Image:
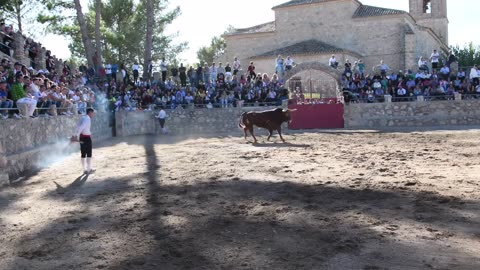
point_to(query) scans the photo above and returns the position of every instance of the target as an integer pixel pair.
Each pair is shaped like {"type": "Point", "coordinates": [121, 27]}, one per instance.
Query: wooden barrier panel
{"type": "Point", "coordinates": [316, 116]}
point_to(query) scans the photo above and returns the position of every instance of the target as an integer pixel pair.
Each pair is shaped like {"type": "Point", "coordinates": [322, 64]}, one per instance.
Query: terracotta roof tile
{"type": "Point", "coordinates": [370, 11]}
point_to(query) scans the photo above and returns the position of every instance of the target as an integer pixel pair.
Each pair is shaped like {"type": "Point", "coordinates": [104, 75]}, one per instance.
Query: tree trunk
{"type": "Point", "coordinates": [149, 38]}
{"type": "Point", "coordinates": [87, 43]}
{"type": "Point", "coordinates": [18, 12]}
{"type": "Point", "coordinates": [98, 40]}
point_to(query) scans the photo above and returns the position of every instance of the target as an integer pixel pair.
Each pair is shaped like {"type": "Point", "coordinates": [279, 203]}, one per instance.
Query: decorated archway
{"type": "Point", "coordinates": [314, 79]}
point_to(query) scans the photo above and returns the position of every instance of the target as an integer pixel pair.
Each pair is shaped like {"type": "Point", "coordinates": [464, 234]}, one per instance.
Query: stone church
{"type": "Point", "coordinates": [310, 31]}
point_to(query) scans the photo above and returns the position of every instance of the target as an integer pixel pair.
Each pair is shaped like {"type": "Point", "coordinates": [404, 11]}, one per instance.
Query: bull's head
{"type": "Point", "coordinates": [286, 115]}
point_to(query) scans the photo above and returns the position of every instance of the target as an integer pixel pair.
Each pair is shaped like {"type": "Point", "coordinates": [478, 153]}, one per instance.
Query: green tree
{"type": "Point", "coordinates": [18, 11]}
{"type": "Point", "coordinates": [123, 27]}
{"type": "Point", "coordinates": [207, 54]}
{"type": "Point", "coordinates": [468, 55]}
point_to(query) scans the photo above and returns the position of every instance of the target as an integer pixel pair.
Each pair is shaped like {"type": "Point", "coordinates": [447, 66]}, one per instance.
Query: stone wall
{"type": "Point", "coordinates": [28, 142]}
{"type": "Point", "coordinates": [182, 121]}
{"type": "Point", "coordinates": [412, 114]}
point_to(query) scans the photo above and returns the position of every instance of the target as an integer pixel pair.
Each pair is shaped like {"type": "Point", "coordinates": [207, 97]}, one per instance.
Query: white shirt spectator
{"type": "Point", "coordinates": [108, 69]}
{"type": "Point", "coordinates": [435, 57]}
{"type": "Point", "coordinates": [401, 91]}
{"type": "Point", "coordinates": [162, 114]}
{"type": "Point", "coordinates": [474, 73]}
{"type": "Point", "coordinates": [332, 61]}
{"type": "Point", "coordinates": [163, 66]}
{"type": "Point", "coordinates": [236, 64]}
{"type": "Point", "coordinates": [289, 62]}
{"type": "Point", "coordinates": [135, 67]}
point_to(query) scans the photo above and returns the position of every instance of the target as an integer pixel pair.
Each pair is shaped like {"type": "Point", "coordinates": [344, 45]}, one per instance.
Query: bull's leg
{"type": "Point", "coordinates": [251, 132]}
{"type": "Point", "coordinates": [245, 132]}
{"type": "Point", "coordinates": [280, 133]}
{"type": "Point", "coordinates": [270, 132]}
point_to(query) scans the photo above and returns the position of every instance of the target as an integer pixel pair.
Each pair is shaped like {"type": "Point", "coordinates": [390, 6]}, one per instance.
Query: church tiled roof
{"type": "Point", "coordinates": [297, 2]}
{"type": "Point", "coordinates": [305, 47]}
{"type": "Point", "coordinates": [370, 11]}
{"type": "Point", "coordinates": [261, 28]}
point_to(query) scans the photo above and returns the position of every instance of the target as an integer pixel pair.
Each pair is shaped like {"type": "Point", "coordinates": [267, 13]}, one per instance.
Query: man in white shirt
{"type": "Point", "coordinates": [83, 135]}
{"type": "Point", "coordinates": [289, 63]}
{"type": "Point", "coordinates": [163, 69]}
{"type": "Point", "coordinates": [401, 93]}
{"type": "Point", "coordinates": [434, 59]}
{"type": "Point", "coordinates": [108, 71]}
{"type": "Point", "coordinates": [161, 117]}
{"type": "Point", "coordinates": [474, 75]}
{"type": "Point", "coordinates": [333, 62]}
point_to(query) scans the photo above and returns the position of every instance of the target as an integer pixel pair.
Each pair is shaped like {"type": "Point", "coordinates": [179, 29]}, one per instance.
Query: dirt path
{"type": "Point", "coordinates": [346, 200]}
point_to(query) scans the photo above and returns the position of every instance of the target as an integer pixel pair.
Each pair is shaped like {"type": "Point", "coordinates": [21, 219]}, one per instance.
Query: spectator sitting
{"type": "Point", "coordinates": [422, 64]}
{"type": "Point", "coordinates": [333, 62]}
{"type": "Point", "coordinates": [401, 93]}
{"type": "Point", "coordinates": [445, 72]}
{"type": "Point", "coordinates": [5, 103]}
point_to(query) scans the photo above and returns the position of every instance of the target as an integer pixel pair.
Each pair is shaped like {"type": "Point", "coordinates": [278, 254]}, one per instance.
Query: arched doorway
{"type": "Point", "coordinates": [315, 80]}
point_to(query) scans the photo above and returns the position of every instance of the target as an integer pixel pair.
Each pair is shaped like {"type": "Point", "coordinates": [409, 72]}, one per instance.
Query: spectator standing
{"type": "Point", "coordinates": [289, 63]}
{"type": "Point", "coordinates": [383, 68]}
{"type": "Point", "coordinates": [213, 73]}
{"type": "Point", "coordinates": [163, 69]}
{"type": "Point", "coordinates": [361, 66]}
{"type": "Point", "coordinates": [474, 75]}
{"type": "Point", "coordinates": [183, 75]}
{"type": "Point", "coordinates": [135, 69]}
{"type": "Point", "coordinates": [236, 65]}
{"type": "Point", "coordinates": [206, 73]}
{"type": "Point", "coordinates": [251, 70]}
{"type": "Point", "coordinates": [434, 59]}
{"type": "Point", "coordinates": [108, 71]}
{"type": "Point", "coordinates": [451, 58]}
{"type": "Point", "coordinates": [174, 71]}
{"type": "Point", "coordinates": [279, 66]}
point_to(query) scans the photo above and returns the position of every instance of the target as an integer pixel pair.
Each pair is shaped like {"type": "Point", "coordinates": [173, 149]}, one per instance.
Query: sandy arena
{"type": "Point", "coordinates": [327, 200]}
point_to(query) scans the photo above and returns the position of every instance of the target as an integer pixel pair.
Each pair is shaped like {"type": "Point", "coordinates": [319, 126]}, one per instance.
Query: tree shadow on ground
{"type": "Point", "coordinates": [250, 224]}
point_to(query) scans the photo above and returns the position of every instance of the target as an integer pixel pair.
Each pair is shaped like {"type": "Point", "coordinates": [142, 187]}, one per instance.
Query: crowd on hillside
{"type": "Point", "coordinates": [430, 80]}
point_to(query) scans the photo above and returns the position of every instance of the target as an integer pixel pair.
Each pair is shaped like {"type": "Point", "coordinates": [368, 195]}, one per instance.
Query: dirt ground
{"type": "Point", "coordinates": [324, 200]}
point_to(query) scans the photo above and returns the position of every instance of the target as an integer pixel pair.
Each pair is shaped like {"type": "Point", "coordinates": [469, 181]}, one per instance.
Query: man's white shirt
{"type": "Point", "coordinates": [83, 126]}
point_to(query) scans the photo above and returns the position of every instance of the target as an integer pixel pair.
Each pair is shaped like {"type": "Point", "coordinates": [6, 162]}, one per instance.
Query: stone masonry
{"type": "Point", "coordinates": [412, 114]}
{"type": "Point", "coordinates": [26, 142]}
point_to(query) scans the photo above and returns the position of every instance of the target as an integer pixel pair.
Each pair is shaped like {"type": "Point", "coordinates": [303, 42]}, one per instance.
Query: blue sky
{"type": "Point", "coordinates": [201, 20]}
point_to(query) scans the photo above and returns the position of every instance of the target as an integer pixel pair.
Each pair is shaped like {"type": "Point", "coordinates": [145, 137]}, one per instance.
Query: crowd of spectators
{"type": "Point", "coordinates": [206, 86]}
{"type": "Point", "coordinates": [431, 80]}
{"type": "Point", "coordinates": [37, 91]}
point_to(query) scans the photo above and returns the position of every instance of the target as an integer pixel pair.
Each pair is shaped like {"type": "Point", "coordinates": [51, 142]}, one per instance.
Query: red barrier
{"type": "Point", "coordinates": [316, 116]}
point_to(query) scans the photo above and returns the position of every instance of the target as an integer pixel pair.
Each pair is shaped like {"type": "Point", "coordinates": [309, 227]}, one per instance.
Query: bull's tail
{"type": "Point", "coordinates": [240, 123]}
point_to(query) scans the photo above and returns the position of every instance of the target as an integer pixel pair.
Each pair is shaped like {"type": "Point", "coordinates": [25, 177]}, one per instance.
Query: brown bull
{"type": "Point", "coordinates": [270, 120]}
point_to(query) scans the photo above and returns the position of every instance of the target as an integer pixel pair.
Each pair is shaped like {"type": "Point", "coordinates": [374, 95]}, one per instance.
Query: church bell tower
{"type": "Point", "coordinates": [431, 14]}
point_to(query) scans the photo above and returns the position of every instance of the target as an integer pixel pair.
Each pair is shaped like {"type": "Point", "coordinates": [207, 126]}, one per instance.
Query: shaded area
{"type": "Point", "coordinates": [254, 223]}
